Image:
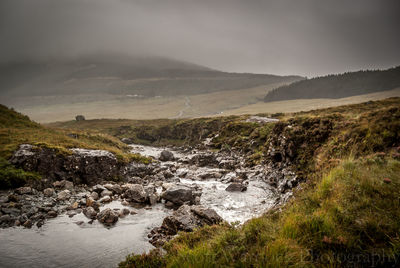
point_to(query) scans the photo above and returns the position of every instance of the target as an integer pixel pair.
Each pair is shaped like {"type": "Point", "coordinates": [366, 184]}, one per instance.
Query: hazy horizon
{"type": "Point", "coordinates": [308, 38]}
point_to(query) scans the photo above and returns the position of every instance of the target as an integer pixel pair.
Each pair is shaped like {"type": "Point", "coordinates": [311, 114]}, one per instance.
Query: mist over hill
{"type": "Point", "coordinates": [117, 74]}
{"type": "Point", "coordinates": [338, 86]}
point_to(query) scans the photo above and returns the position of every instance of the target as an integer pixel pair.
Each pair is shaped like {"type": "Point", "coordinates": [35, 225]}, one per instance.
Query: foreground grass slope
{"type": "Point", "coordinates": [345, 214]}
{"type": "Point", "coordinates": [16, 129]}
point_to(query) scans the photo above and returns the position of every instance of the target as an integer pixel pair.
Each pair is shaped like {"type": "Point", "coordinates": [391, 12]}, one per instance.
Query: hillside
{"type": "Point", "coordinates": [121, 75]}
{"type": "Point", "coordinates": [338, 86]}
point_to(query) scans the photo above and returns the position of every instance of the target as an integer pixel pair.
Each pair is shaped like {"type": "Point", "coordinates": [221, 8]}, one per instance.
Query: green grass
{"type": "Point", "coordinates": [14, 177]}
{"type": "Point", "coordinates": [349, 213]}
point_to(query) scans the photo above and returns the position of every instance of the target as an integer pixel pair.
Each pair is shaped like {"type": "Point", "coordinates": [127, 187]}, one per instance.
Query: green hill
{"type": "Point", "coordinates": [338, 86]}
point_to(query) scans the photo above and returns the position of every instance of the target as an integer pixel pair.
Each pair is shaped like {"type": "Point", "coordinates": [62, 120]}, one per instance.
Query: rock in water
{"type": "Point", "coordinates": [236, 187]}
{"type": "Point", "coordinates": [107, 216]}
{"type": "Point", "coordinates": [135, 193]}
{"type": "Point", "coordinates": [186, 219]}
{"type": "Point", "coordinates": [179, 195]}
{"type": "Point", "coordinates": [207, 215]}
{"type": "Point", "coordinates": [90, 213]}
{"type": "Point", "coordinates": [166, 156]}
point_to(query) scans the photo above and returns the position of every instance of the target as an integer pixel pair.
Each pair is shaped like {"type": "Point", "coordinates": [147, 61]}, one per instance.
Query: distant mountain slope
{"type": "Point", "coordinates": [115, 74]}
{"type": "Point", "coordinates": [338, 86]}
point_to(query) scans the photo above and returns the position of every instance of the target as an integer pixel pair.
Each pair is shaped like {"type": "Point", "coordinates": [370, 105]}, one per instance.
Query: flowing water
{"type": "Point", "coordinates": [61, 242]}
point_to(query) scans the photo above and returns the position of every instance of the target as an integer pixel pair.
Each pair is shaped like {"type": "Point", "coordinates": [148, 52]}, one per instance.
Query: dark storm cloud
{"type": "Point", "coordinates": [284, 37]}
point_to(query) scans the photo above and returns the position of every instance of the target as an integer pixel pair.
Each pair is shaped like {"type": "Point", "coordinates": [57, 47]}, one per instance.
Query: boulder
{"type": "Point", "coordinates": [105, 199]}
{"type": "Point", "coordinates": [206, 215]}
{"type": "Point", "coordinates": [94, 195]}
{"type": "Point", "coordinates": [115, 188]}
{"type": "Point", "coordinates": [79, 118]}
{"type": "Point", "coordinates": [90, 213]}
{"type": "Point", "coordinates": [166, 156]}
{"type": "Point", "coordinates": [186, 219]}
{"type": "Point", "coordinates": [63, 184]}
{"type": "Point", "coordinates": [107, 216]}
{"type": "Point", "coordinates": [106, 193]}
{"type": "Point", "coordinates": [24, 190]}
{"type": "Point", "coordinates": [236, 187]}
{"type": "Point", "coordinates": [81, 166]}
{"type": "Point", "coordinates": [135, 193]}
{"type": "Point", "coordinates": [179, 195]}
{"type": "Point", "coordinates": [64, 195]}
{"type": "Point", "coordinates": [48, 192]}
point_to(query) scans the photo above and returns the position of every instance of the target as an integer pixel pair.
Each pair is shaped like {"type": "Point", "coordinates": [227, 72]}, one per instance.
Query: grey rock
{"type": "Point", "coordinates": [179, 195]}
{"type": "Point", "coordinates": [106, 193]}
{"type": "Point", "coordinates": [48, 192]}
{"type": "Point", "coordinates": [24, 190]}
{"type": "Point", "coordinates": [107, 216]}
{"type": "Point", "coordinates": [105, 199]}
{"type": "Point", "coordinates": [90, 212]}
{"type": "Point", "coordinates": [166, 156]}
{"type": "Point", "coordinates": [64, 195]}
{"type": "Point", "coordinates": [135, 193]}
{"type": "Point", "coordinates": [236, 187]}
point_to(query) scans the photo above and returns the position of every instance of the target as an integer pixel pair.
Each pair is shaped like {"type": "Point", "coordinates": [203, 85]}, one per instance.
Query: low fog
{"type": "Point", "coordinates": [309, 37]}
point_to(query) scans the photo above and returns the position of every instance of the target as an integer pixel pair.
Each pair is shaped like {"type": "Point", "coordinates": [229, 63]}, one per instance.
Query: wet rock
{"type": "Point", "coordinates": [90, 212]}
{"type": "Point", "coordinates": [28, 224]}
{"type": "Point", "coordinates": [236, 187]}
{"type": "Point", "coordinates": [204, 159]}
{"type": "Point", "coordinates": [115, 188]}
{"type": "Point", "coordinates": [39, 223]}
{"type": "Point", "coordinates": [94, 195]}
{"type": "Point", "coordinates": [179, 195]}
{"type": "Point", "coordinates": [24, 190]}
{"type": "Point", "coordinates": [106, 193]}
{"type": "Point", "coordinates": [166, 156]}
{"type": "Point", "coordinates": [134, 193]}
{"type": "Point", "coordinates": [71, 213]}
{"type": "Point", "coordinates": [105, 199]}
{"type": "Point", "coordinates": [186, 218]}
{"type": "Point", "coordinates": [5, 219]}
{"type": "Point", "coordinates": [153, 199]}
{"type": "Point", "coordinates": [64, 195]}
{"type": "Point", "coordinates": [207, 215]}
{"type": "Point", "coordinates": [83, 166]}
{"type": "Point", "coordinates": [48, 192]}
{"type": "Point", "coordinates": [107, 216]}
{"type": "Point", "coordinates": [52, 214]}
{"type": "Point", "coordinates": [64, 184]}
{"type": "Point", "coordinates": [98, 188]}
{"type": "Point", "coordinates": [123, 212]}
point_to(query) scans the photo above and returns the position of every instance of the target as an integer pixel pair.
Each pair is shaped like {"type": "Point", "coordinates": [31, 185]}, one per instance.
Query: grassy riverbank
{"type": "Point", "coordinates": [345, 214]}
{"type": "Point", "coordinates": [16, 129]}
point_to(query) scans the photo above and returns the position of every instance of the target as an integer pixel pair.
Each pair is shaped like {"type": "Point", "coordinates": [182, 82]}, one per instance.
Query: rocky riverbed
{"type": "Point", "coordinates": [68, 223]}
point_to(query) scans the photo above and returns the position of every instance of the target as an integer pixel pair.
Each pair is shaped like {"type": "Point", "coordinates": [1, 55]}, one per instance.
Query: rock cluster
{"type": "Point", "coordinates": [186, 218]}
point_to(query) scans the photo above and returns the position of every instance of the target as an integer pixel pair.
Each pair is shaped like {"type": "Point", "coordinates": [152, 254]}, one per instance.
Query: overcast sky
{"type": "Point", "coordinates": [306, 37]}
